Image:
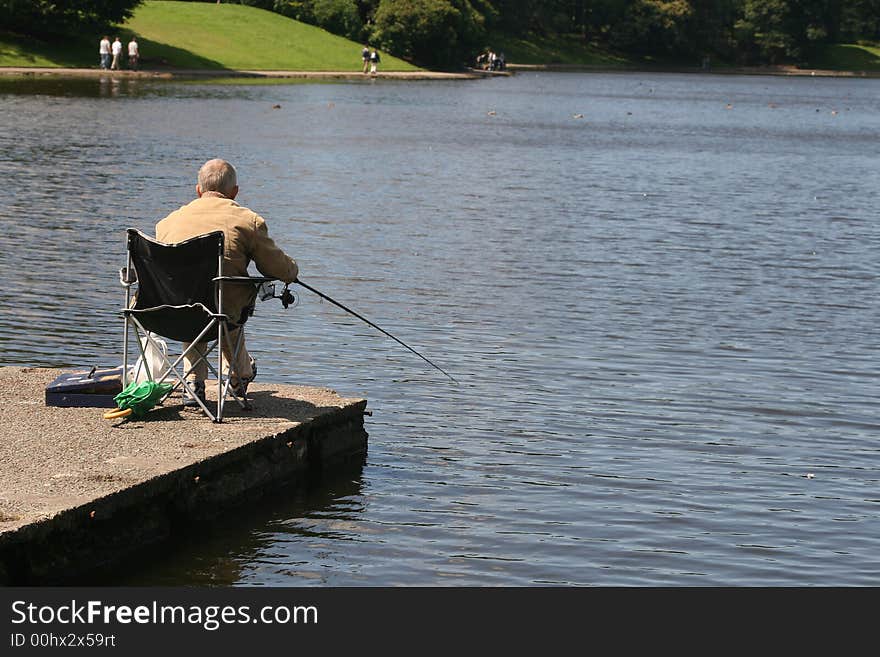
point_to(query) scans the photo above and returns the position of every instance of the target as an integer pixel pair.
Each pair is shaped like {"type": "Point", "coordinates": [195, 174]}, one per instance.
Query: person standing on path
{"type": "Point", "coordinates": [104, 51]}
{"type": "Point", "coordinates": [374, 61]}
{"type": "Point", "coordinates": [133, 54]}
{"type": "Point", "coordinates": [365, 56]}
{"type": "Point", "coordinates": [117, 52]}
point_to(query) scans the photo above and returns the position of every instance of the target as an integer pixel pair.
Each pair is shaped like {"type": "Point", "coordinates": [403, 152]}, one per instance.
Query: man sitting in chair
{"type": "Point", "coordinates": [246, 239]}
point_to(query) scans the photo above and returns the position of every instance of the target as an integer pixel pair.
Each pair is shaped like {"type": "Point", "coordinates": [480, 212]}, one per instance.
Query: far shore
{"type": "Point", "coordinates": [468, 74]}
{"type": "Point", "coordinates": [720, 70]}
{"type": "Point", "coordinates": [166, 73]}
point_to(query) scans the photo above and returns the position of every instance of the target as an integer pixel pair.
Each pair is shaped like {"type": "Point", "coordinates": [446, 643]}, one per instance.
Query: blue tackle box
{"type": "Point", "coordinates": [94, 388]}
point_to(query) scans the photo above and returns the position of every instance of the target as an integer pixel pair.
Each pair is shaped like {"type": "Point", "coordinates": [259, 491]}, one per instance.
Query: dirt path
{"type": "Point", "coordinates": [197, 73]}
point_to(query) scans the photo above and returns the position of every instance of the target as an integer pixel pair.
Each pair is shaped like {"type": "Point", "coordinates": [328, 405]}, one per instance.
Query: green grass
{"type": "Point", "coordinates": [848, 57]}
{"type": "Point", "coordinates": [200, 35]}
{"type": "Point", "coordinates": [16, 51]}
{"type": "Point", "coordinates": [206, 35]}
{"type": "Point", "coordinates": [566, 50]}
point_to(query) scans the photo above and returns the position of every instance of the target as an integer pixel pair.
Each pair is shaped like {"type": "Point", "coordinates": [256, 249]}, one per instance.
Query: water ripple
{"type": "Point", "coordinates": [663, 317]}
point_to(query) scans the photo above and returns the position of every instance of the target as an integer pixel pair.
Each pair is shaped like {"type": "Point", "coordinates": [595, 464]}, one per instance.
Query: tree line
{"type": "Point", "coordinates": [50, 18]}
{"type": "Point", "coordinates": [448, 33]}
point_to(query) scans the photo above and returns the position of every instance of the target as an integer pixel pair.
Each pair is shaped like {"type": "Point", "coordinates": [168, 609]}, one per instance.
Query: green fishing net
{"type": "Point", "coordinates": [141, 397]}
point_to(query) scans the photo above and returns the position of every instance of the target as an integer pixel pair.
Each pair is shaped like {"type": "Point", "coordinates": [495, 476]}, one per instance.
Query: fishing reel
{"type": "Point", "coordinates": [288, 299]}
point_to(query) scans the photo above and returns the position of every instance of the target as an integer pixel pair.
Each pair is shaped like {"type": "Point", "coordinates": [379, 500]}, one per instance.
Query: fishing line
{"type": "Point", "coordinates": [364, 319]}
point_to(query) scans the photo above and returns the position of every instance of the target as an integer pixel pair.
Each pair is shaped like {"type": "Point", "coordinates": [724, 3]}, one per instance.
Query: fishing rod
{"type": "Point", "coordinates": [287, 298]}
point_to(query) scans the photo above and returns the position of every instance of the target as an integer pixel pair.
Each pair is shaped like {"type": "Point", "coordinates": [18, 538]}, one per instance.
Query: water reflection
{"type": "Point", "coordinates": [115, 86]}
{"type": "Point", "coordinates": [303, 521]}
{"type": "Point", "coordinates": [70, 87]}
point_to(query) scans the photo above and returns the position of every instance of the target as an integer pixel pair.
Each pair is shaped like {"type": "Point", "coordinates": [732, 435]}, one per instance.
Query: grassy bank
{"type": "Point", "coordinates": [28, 52]}
{"type": "Point", "coordinates": [566, 50]}
{"type": "Point", "coordinates": [203, 35]}
{"type": "Point", "coordinates": [196, 35]}
{"type": "Point", "coordinates": [848, 57]}
{"type": "Point", "coordinates": [571, 51]}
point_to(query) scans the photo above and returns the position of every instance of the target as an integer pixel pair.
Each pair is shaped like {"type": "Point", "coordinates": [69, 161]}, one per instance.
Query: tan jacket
{"type": "Point", "coordinates": [246, 239]}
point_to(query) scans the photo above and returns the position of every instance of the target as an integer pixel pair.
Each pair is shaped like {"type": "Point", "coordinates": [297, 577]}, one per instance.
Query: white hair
{"type": "Point", "coordinates": [218, 176]}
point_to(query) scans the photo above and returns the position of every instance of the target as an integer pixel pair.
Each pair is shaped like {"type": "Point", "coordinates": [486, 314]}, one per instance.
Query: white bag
{"type": "Point", "coordinates": [156, 350]}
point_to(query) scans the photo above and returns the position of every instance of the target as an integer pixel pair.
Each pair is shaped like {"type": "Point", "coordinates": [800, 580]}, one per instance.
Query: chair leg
{"type": "Point", "coordinates": [125, 321]}
{"type": "Point", "coordinates": [244, 401]}
{"type": "Point", "coordinates": [171, 369]}
{"type": "Point", "coordinates": [234, 352]}
{"type": "Point", "coordinates": [188, 389]}
{"type": "Point", "coordinates": [125, 352]}
{"type": "Point", "coordinates": [220, 329]}
{"type": "Point", "coordinates": [142, 362]}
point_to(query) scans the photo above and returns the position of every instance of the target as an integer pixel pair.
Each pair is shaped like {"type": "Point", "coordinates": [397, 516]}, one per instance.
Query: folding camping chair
{"type": "Point", "coordinates": [179, 296]}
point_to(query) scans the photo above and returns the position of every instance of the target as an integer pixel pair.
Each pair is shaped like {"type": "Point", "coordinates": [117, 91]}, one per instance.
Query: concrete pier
{"type": "Point", "coordinates": [79, 493]}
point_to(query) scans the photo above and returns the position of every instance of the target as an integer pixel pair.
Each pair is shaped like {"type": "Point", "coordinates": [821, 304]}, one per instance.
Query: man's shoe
{"type": "Point", "coordinates": [241, 389]}
{"type": "Point", "coordinates": [189, 401]}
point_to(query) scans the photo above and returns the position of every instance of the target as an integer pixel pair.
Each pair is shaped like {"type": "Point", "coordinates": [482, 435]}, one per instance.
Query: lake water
{"type": "Point", "coordinates": [662, 313]}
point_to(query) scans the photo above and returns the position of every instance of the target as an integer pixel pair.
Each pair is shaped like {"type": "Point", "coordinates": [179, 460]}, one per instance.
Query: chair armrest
{"type": "Point", "coordinates": [127, 277]}
{"type": "Point", "coordinates": [252, 280]}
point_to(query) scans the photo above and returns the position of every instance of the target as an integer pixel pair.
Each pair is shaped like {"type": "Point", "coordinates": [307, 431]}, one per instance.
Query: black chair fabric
{"type": "Point", "coordinates": [176, 289]}
{"type": "Point", "coordinates": [176, 274]}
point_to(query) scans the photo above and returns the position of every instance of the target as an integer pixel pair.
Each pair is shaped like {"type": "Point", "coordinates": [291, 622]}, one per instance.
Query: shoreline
{"type": "Point", "coordinates": [779, 70]}
{"type": "Point", "coordinates": [169, 74]}
{"type": "Point", "coordinates": [467, 74]}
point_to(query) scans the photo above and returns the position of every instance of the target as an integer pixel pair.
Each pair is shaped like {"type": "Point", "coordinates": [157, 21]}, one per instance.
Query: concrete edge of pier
{"type": "Point", "coordinates": [79, 494]}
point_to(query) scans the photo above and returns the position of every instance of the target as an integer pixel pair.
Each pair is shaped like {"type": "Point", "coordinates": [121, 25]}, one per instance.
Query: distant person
{"type": "Point", "coordinates": [134, 54]}
{"type": "Point", "coordinates": [117, 52]}
{"type": "Point", "coordinates": [365, 56]}
{"type": "Point", "coordinates": [104, 51]}
{"type": "Point", "coordinates": [374, 60]}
